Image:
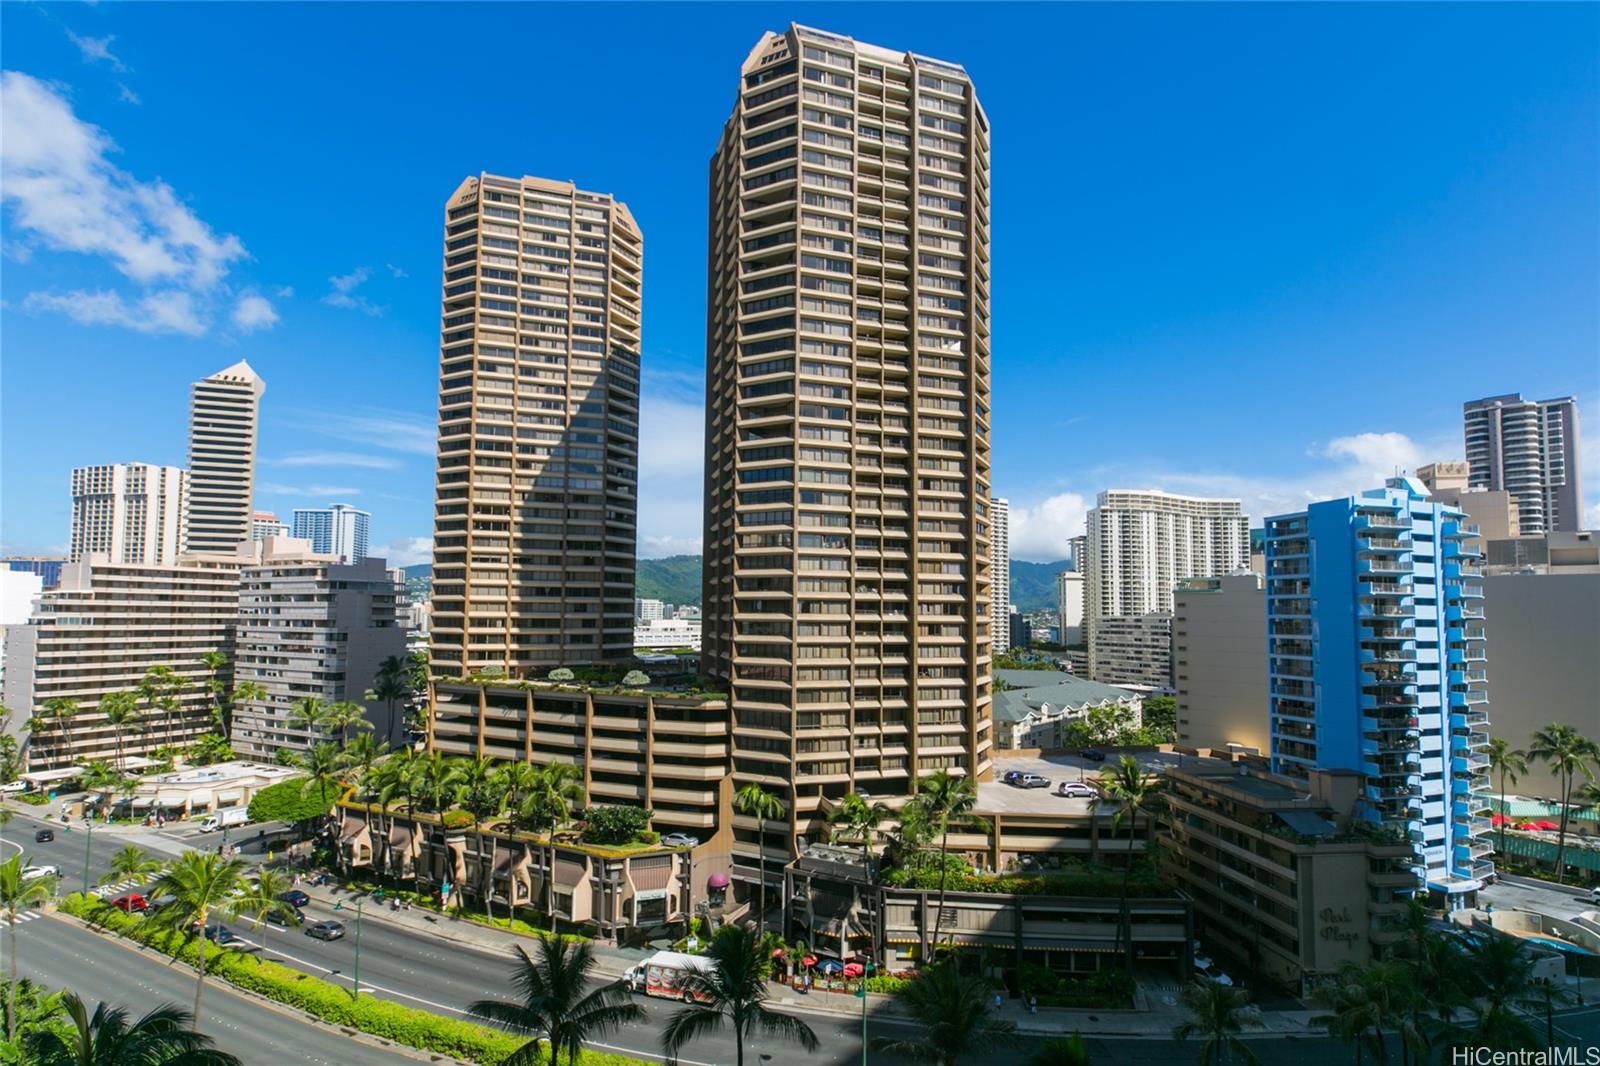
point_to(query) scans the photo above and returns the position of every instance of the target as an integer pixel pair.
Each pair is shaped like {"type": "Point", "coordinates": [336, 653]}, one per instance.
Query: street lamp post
{"type": "Point", "coordinates": [862, 992]}
{"type": "Point", "coordinates": [355, 974]}
{"type": "Point", "coordinates": [88, 837]}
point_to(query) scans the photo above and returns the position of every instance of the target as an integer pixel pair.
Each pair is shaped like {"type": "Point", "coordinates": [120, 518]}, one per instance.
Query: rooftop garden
{"type": "Point", "coordinates": [593, 679]}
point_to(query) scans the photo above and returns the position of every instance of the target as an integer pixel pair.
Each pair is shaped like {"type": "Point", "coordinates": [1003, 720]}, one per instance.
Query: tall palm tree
{"type": "Point", "coordinates": [121, 712]}
{"type": "Point", "coordinates": [438, 774]}
{"type": "Point", "coordinates": [951, 1012]}
{"type": "Point", "coordinates": [266, 903]}
{"type": "Point", "coordinates": [390, 685]}
{"type": "Point", "coordinates": [753, 801]}
{"type": "Point", "coordinates": [323, 764]}
{"type": "Point", "coordinates": [554, 1002]}
{"type": "Point", "coordinates": [341, 717]}
{"type": "Point", "coordinates": [555, 792]}
{"type": "Point", "coordinates": [59, 711]}
{"type": "Point", "coordinates": [1124, 783]}
{"type": "Point", "coordinates": [131, 863]}
{"type": "Point", "coordinates": [947, 800]}
{"type": "Point", "coordinates": [17, 894]}
{"type": "Point", "coordinates": [909, 837]}
{"type": "Point", "coordinates": [362, 754]}
{"type": "Point", "coordinates": [1500, 975]}
{"type": "Point", "coordinates": [1214, 1018]}
{"type": "Point", "coordinates": [245, 692]}
{"type": "Point", "coordinates": [159, 689]}
{"type": "Point", "coordinates": [1568, 753]}
{"type": "Point", "coordinates": [216, 664]}
{"type": "Point", "coordinates": [516, 778]}
{"type": "Point", "coordinates": [861, 819]}
{"type": "Point", "coordinates": [1509, 763]}
{"type": "Point", "coordinates": [479, 793]}
{"type": "Point", "coordinates": [733, 991]}
{"type": "Point", "coordinates": [164, 1036]}
{"type": "Point", "coordinates": [397, 776]}
{"type": "Point", "coordinates": [203, 887]}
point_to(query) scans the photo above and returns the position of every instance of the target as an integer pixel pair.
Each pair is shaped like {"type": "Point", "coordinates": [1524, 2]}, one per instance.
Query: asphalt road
{"type": "Point", "coordinates": [63, 954]}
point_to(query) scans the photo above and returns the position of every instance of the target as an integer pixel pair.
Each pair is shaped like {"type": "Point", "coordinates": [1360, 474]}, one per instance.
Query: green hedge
{"type": "Point", "coordinates": [295, 800]}
{"type": "Point", "coordinates": [321, 999]}
{"type": "Point", "coordinates": [32, 799]}
{"type": "Point", "coordinates": [888, 985]}
{"type": "Point", "coordinates": [1081, 882]}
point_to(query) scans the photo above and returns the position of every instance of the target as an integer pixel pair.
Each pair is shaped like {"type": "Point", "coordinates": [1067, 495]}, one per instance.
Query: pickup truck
{"type": "Point", "coordinates": [662, 975]}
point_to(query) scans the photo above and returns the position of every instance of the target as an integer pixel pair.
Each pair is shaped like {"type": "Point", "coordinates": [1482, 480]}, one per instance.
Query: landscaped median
{"type": "Point", "coordinates": [322, 999]}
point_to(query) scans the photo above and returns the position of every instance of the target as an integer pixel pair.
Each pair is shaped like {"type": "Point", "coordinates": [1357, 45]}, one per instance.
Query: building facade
{"type": "Point", "coordinates": [847, 581]}
{"type": "Point", "coordinates": [48, 567]}
{"type": "Point", "coordinates": [1137, 547]}
{"type": "Point", "coordinates": [1069, 605]}
{"type": "Point", "coordinates": [1219, 662]}
{"type": "Point", "coordinates": [1289, 881]}
{"type": "Point", "coordinates": [1000, 571]}
{"type": "Point", "coordinates": [536, 514]}
{"type": "Point", "coordinates": [264, 524]}
{"type": "Point", "coordinates": [99, 632]}
{"type": "Point", "coordinates": [1039, 706]}
{"type": "Point", "coordinates": [224, 416]}
{"type": "Point", "coordinates": [310, 626]}
{"type": "Point", "coordinates": [128, 512]}
{"type": "Point", "coordinates": [1376, 663]}
{"type": "Point", "coordinates": [340, 531]}
{"type": "Point", "coordinates": [1531, 449]}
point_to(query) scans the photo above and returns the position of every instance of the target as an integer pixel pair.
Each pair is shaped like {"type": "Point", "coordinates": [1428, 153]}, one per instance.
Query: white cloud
{"type": "Point", "coordinates": [405, 551]}
{"type": "Point", "coordinates": [370, 462]}
{"type": "Point", "coordinates": [344, 292]}
{"type": "Point", "coordinates": [328, 491]}
{"type": "Point", "coordinates": [1376, 456]}
{"type": "Point", "coordinates": [396, 271]}
{"type": "Point", "coordinates": [284, 292]}
{"type": "Point", "coordinates": [66, 194]}
{"type": "Point", "coordinates": [127, 95]}
{"type": "Point", "coordinates": [396, 431]}
{"type": "Point", "coordinates": [165, 311]}
{"type": "Point", "coordinates": [252, 312]}
{"type": "Point", "coordinates": [671, 472]}
{"type": "Point", "coordinates": [1041, 531]}
{"type": "Point", "coordinates": [97, 50]}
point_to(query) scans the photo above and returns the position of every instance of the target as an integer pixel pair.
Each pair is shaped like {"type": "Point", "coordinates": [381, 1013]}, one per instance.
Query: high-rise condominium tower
{"type": "Point", "coordinates": [1530, 448]}
{"type": "Point", "coordinates": [339, 530]}
{"type": "Point", "coordinates": [1138, 546]}
{"type": "Point", "coordinates": [224, 414]}
{"type": "Point", "coordinates": [128, 512]}
{"type": "Point", "coordinates": [1000, 573]}
{"type": "Point", "coordinates": [538, 428]}
{"type": "Point", "coordinates": [847, 571]}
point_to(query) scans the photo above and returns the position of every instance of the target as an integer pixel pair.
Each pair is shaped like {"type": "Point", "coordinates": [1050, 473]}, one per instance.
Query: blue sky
{"type": "Point", "coordinates": [1249, 250]}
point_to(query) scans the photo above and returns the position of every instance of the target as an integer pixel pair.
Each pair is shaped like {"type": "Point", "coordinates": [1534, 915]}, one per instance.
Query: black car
{"type": "Point", "coordinates": [1011, 776]}
{"type": "Point", "coordinates": [295, 898]}
{"type": "Point", "coordinates": [44, 836]}
{"type": "Point", "coordinates": [1093, 754]}
{"type": "Point", "coordinates": [218, 933]}
{"type": "Point", "coordinates": [329, 930]}
{"type": "Point", "coordinates": [284, 921]}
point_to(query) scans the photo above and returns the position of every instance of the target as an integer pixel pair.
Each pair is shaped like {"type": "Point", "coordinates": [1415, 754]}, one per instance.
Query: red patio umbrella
{"type": "Point", "coordinates": [809, 960]}
{"type": "Point", "coordinates": [1549, 826]}
{"type": "Point", "coordinates": [1499, 819]}
{"type": "Point", "coordinates": [853, 969]}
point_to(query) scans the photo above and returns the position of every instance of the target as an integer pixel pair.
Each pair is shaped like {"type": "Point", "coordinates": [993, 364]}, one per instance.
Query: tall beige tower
{"type": "Point", "coordinates": [535, 526]}
{"type": "Point", "coordinates": [224, 416]}
{"type": "Point", "coordinates": [847, 565]}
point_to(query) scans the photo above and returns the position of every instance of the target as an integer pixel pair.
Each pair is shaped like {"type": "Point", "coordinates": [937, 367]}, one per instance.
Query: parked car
{"type": "Point", "coordinates": [680, 840]}
{"type": "Point", "coordinates": [1093, 754]}
{"type": "Point", "coordinates": [1011, 776]}
{"type": "Point", "coordinates": [132, 903]}
{"type": "Point", "coordinates": [1594, 894]}
{"type": "Point", "coordinates": [1033, 781]}
{"type": "Point", "coordinates": [218, 933]}
{"type": "Point", "coordinates": [1207, 970]}
{"type": "Point", "coordinates": [11, 788]}
{"type": "Point", "coordinates": [1076, 790]}
{"type": "Point", "coordinates": [29, 873]}
{"type": "Point", "coordinates": [329, 930]}
{"type": "Point", "coordinates": [295, 898]}
{"type": "Point", "coordinates": [44, 836]}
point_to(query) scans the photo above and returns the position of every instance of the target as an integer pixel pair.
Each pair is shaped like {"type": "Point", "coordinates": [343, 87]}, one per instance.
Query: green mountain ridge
{"type": "Point", "coordinates": [1033, 585]}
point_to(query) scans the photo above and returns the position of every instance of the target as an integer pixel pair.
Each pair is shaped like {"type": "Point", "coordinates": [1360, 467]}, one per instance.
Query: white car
{"type": "Point", "coordinates": [1076, 790]}
{"type": "Point", "coordinates": [13, 787]}
{"type": "Point", "coordinates": [1207, 970]}
{"type": "Point", "coordinates": [680, 840]}
{"type": "Point", "coordinates": [32, 872]}
{"type": "Point", "coordinates": [1594, 894]}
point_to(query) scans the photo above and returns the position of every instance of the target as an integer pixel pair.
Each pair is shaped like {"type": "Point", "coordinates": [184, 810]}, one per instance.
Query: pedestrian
{"type": "Point", "coordinates": [998, 1002]}
{"type": "Point", "coordinates": [1033, 1004]}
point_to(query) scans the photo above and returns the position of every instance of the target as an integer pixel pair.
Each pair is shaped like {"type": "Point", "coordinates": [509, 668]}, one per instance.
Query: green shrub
{"type": "Point", "coordinates": [615, 825]}
{"type": "Point", "coordinates": [290, 801]}
{"type": "Point", "coordinates": [888, 985]}
{"type": "Point", "coordinates": [456, 819]}
{"type": "Point", "coordinates": [34, 799]}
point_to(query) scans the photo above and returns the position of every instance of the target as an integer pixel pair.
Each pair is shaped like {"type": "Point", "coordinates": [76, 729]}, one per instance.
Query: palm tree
{"type": "Point", "coordinates": [1500, 976]}
{"type": "Point", "coordinates": [479, 793]}
{"type": "Point", "coordinates": [322, 764]}
{"type": "Point", "coordinates": [732, 990]}
{"type": "Point", "coordinates": [1125, 784]}
{"type": "Point", "coordinates": [1061, 1051]}
{"type": "Point", "coordinates": [438, 774]}
{"type": "Point", "coordinates": [98, 776]}
{"type": "Point", "coordinates": [245, 692]}
{"type": "Point", "coordinates": [397, 775]}
{"type": "Point", "coordinates": [163, 1037]}
{"type": "Point", "coordinates": [58, 712]}
{"type": "Point", "coordinates": [389, 684]}
{"type": "Point", "coordinates": [946, 799]}
{"type": "Point", "coordinates": [951, 1013]}
{"type": "Point", "coordinates": [515, 779]}
{"type": "Point", "coordinates": [362, 753]}
{"type": "Point", "coordinates": [17, 894]}
{"type": "Point", "coordinates": [159, 688]}
{"type": "Point", "coordinates": [554, 1002]}
{"type": "Point", "coordinates": [554, 793]}
{"type": "Point", "coordinates": [753, 801]}
{"type": "Point", "coordinates": [270, 885]}
{"type": "Point", "coordinates": [1509, 763]}
{"type": "Point", "coordinates": [1214, 1018]}
{"type": "Point", "coordinates": [308, 713]}
{"type": "Point", "coordinates": [910, 837]}
{"type": "Point", "coordinates": [131, 863]}
{"type": "Point", "coordinates": [1568, 753]}
{"type": "Point", "coordinates": [341, 717]}
{"type": "Point", "coordinates": [216, 663]}
{"type": "Point", "coordinates": [203, 886]}
{"type": "Point", "coordinates": [861, 819]}
{"type": "Point", "coordinates": [121, 712]}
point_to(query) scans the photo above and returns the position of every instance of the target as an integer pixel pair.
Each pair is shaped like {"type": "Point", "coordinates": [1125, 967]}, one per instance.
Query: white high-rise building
{"type": "Point", "coordinates": [1529, 448]}
{"type": "Point", "coordinates": [1000, 571]}
{"type": "Point", "coordinates": [264, 524]}
{"type": "Point", "coordinates": [648, 610]}
{"type": "Point", "coordinates": [1138, 546]}
{"type": "Point", "coordinates": [339, 530]}
{"type": "Point", "coordinates": [224, 414]}
{"type": "Point", "coordinates": [128, 512]}
{"type": "Point", "coordinates": [1069, 602]}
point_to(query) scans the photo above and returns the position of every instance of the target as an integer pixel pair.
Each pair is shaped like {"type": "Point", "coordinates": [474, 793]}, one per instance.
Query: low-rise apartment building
{"type": "Point", "coordinates": [1287, 882]}
{"type": "Point", "coordinates": [1035, 708]}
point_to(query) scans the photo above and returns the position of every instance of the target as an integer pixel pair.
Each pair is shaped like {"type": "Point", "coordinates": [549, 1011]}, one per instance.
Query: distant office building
{"type": "Point", "coordinates": [538, 463]}
{"type": "Point", "coordinates": [128, 512]}
{"type": "Point", "coordinates": [1531, 449]}
{"type": "Point", "coordinates": [339, 530]}
{"type": "Point", "coordinates": [1000, 571]}
{"type": "Point", "coordinates": [1556, 553]}
{"type": "Point", "coordinates": [48, 567]}
{"type": "Point", "coordinates": [1493, 511]}
{"type": "Point", "coordinates": [1069, 605]}
{"type": "Point", "coordinates": [1139, 545]}
{"type": "Point", "coordinates": [1079, 551]}
{"type": "Point", "coordinates": [1020, 629]}
{"type": "Point", "coordinates": [667, 633]}
{"type": "Point", "coordinates": [225, 412]}
{"type": "Point", "coordinates": [312, 626]}
{"type": "Point", "coordinates": [264, 524]}
{"type": "Point", "coordinates": [1219, 662]}
{"type": "Point", "coordinates": [100, 631]}
{"type": "Point", "coordinates": [1376, 664]}
{"type": "Point", "coordinates": [648, 610]}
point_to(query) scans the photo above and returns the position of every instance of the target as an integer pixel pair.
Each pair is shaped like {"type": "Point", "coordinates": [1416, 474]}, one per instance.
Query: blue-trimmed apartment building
{"type": "Point", "coordinates": [1376, 663]}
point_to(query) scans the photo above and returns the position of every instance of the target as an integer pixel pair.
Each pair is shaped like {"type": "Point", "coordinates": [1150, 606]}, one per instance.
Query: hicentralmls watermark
{"type": "Point", "coordinates": [1560, 1056]}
